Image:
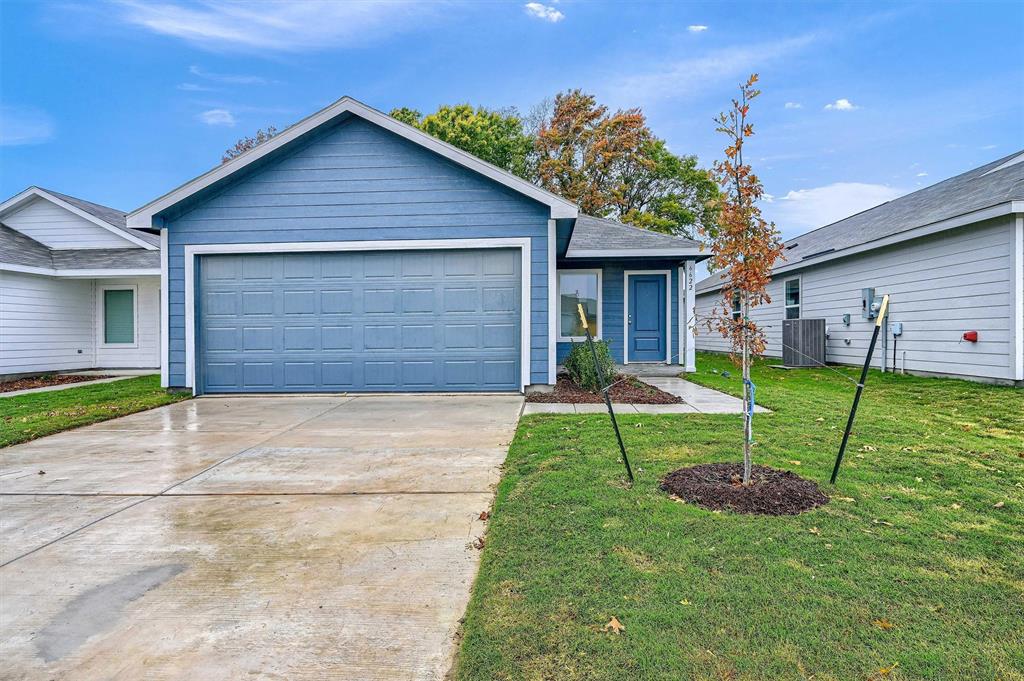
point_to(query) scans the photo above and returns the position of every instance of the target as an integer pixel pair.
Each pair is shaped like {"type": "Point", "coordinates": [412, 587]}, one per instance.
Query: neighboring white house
{"type": "Point", "coordinates": [78, 289]}
{"type": "Point", "coordinates": [951, 256]}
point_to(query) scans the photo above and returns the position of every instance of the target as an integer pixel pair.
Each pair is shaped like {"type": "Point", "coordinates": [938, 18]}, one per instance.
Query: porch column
{"type": "Point", "coordinates": [688, 358]}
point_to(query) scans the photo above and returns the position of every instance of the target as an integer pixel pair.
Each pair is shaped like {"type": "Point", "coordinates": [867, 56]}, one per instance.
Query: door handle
{"type": "Point", "coordinates": [629, 320]}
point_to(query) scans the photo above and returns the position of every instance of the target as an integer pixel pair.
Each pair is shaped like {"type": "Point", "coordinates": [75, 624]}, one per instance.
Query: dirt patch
{"type": "Point", "coordinates": [44, 381]}
{"type": "Point", "coordinates": [771, 491]}
{"type": "Point", "coordinates": [626, 389]}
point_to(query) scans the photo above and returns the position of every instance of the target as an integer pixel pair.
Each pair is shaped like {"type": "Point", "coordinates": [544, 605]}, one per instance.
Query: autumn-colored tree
{"type": "Point", "coordinates": [612, 165]}
{"type": "Point", "coordinates": [744, 247]}
{"type": "Point", "coordinates": [494, 136]}
{"type": "Point", "coordinates": [246, 143]}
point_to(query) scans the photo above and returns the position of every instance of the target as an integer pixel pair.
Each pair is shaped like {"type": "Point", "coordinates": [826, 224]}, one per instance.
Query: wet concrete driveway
{"type": "Point", "coordinates": [255, 538]}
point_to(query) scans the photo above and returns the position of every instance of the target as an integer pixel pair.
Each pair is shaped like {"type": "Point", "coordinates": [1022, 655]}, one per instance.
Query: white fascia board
{"type": "Point", "coordinates": [560, 208]}
{"type": "Point", "coordinates": [636, 253]}
{"type": "Point", "coordinates": [79, 274]}
{"type": "Point", "coordinates": [1008, 208]}
{"type": "Point", "coordinates": [35, 192]}
{"type": "Point", "coordinates": [165, 344]}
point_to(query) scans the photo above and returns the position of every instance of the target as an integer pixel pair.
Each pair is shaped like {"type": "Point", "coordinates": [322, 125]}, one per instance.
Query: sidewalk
{"type": "Point", "coordinates": [696, 400]}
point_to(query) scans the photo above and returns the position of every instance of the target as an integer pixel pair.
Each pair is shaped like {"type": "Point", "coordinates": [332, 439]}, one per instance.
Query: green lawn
{"type": "Point", "coordinates": [911, 572]}
{"type": "Point", "coordinates": [26, 417]}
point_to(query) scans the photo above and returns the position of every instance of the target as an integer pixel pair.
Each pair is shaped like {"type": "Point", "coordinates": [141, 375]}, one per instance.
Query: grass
{"type": "Point", "coordinates": [26, 417]}
{"type": "Point", "coordinates": [910, 572]}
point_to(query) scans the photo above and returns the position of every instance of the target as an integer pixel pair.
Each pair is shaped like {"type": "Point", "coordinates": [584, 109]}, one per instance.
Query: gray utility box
{"type": "Point", "coordinates": [803, 342]}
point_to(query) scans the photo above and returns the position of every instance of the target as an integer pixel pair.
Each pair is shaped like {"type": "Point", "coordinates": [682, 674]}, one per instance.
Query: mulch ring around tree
{"type": "Point", "coordinates": [45, 381]}
{"type": "Point", "coordinates": [625, 389]}
{"type": "Point", "coordinates": [718, 486]}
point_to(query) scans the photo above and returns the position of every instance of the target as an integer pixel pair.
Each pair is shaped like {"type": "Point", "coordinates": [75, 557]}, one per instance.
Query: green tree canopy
{"type": "Point", "coordinates": [494, 136]}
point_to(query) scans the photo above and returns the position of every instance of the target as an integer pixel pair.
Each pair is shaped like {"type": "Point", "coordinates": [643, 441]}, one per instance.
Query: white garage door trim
{"type": "Point", "coordinates": [191, 251]}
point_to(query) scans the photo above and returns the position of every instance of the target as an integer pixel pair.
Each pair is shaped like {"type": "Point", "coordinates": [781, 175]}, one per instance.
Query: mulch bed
{"type": "Point", "coordinates": [44, 381]}
{"type": "Point", "coordinates": [627, 389]}
{"type": "Point", "coordinates": [771, 491]}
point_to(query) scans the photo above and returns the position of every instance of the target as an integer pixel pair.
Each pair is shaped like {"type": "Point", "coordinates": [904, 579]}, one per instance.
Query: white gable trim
{"type": "Point", "coordinates": [560, 208]}
{"type": "Point", "coordinates": [15, 202]}
{"type": "Point", "coordinates": [105, 273]}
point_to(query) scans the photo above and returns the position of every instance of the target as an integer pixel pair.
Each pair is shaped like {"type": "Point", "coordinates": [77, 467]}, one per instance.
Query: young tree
{"type": "Point", "coordinates": [246, 143]}
{"type": "Point", "coordinates": [743, 245]}
{"type": "Point", "coordinates": [612, 165]}
{"type": "Point", "coordinates": [494, 136]}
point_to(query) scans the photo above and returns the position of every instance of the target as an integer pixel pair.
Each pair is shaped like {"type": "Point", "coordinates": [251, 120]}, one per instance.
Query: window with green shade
{"type": "Point", "coordinates": [574, 287]}
{"type": "Point", "coordinates": [118, 316]}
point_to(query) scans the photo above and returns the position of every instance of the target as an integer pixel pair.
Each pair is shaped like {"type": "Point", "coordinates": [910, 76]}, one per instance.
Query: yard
{"type": "Point", "coordinates": [912, 571]}
{"type": "Point", "coordinates": [26, 417]}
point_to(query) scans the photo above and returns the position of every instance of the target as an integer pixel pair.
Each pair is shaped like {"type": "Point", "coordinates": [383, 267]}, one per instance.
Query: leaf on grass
{"type": "Point", "coordinates": [819, 419]}
{"type": "Point", "coordinates": [814, 530]}
{"type": "Point", "coordinates": [999, 504]}
{"type": "Point", "coordinates": [684, 602]}
{"type": "Point", "coordinates": [876, 521]}
{"type": "Point", "coordinates": [955, 507]}
{"type": "Point", "coordinates": [615, 626]}
{"type": "Point", "coordinates": [794, 462]}
{"type": "Point", "coordinates": [883, 623]}
{"type": "Point", "coordinates": [848, 500]}
{"type": "Point", "coordinates": [868, 448]}
{"type": "Point", "coordinates": [885, 671]}
{"type": "Point", "coordinates": [676, 498]}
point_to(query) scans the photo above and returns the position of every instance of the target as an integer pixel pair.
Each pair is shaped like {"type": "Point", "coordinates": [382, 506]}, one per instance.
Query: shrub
{"type": "Point", "coordinates": [579, 364]}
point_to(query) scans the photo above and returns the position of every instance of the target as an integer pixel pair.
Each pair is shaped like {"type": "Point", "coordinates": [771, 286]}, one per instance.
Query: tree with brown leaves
{"type": "Point", "coordinates": [246, 143]}
{"type": "Point", "coordinates": [744, 246]}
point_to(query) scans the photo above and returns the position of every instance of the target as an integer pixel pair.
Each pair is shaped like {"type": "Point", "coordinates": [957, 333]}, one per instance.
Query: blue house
{"type": "Point", "coordinates": [353, 252]}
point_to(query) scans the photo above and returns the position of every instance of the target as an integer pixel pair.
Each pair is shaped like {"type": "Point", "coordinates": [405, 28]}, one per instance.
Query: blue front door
{"type": "Point", "coordinates": [646, 338]}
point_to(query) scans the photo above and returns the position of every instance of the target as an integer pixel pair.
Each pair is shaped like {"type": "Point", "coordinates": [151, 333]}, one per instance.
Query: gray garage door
{"type": "Point", "coordinates": [375, 321]}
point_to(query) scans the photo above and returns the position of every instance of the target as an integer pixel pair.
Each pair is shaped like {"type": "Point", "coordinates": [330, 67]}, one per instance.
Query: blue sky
{"type": "Point", "coordinates": [118, 102]}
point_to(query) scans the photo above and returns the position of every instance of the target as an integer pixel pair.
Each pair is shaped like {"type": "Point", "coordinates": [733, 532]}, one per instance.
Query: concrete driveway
{"type": "Point", "coordinates": [256, 538]}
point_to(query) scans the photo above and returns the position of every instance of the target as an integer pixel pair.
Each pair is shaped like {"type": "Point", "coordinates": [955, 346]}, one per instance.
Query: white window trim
{"type": "Point", "coordinates": [194, 250]}
{"type": "Point", "coordinates": [600, 302]}
{"type": "Point", "coordinates": [101, 316]}
{"type": "Point", "coordinates": [668, 313]}
{"type": "Point", "coordinates": [800, 292]}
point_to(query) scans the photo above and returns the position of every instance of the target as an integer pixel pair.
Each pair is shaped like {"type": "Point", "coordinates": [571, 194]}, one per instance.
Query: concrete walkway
{"type": "Point", "coordinates": [241, 538]}
{"type": "Point", "coordinates": [696, 400]}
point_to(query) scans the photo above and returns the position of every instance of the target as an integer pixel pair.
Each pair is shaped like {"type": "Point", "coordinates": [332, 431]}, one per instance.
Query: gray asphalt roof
{"type": "Point", "coordinates": [592, 233]}
{"type": "Point", "coordinates": [111, 216]}
{"type": "Point", "coordinates": [19, 249]}
{"type": "Point", "coordinates": [984, 187]}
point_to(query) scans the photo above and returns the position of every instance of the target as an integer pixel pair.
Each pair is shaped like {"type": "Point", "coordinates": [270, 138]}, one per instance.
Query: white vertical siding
{"type": "Point", "coordinates": [46, 324]}
{"type": "Point", "coordinates": [57, 227]}
{"type": "Point", "coordinates": [146, 353]}
{"type": "Point", "coordinates": [940, 285]}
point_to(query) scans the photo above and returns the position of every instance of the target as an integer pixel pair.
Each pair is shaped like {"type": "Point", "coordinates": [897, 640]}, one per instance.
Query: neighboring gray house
{"type": "Point", "coordinates": [951, 256]}
{"type": "Point", "coordinates": [78, 288]}
{"type": "Point", "coordinates": [353, 252]}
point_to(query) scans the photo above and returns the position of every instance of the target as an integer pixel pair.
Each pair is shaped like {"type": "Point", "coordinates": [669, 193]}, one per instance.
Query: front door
{"type": "Point", "coordinates": [646, 337]}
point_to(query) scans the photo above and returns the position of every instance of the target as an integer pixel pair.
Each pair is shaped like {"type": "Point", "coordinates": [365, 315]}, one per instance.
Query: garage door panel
{"type": "Point", "coordinates": [416, 320]}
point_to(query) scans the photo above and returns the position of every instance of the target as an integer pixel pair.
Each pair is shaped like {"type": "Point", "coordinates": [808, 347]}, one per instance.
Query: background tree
{"type": "Point", "coordinates": [497, 137]}
{"type": "Point", "coordinates": [612, 165]}
{"type": "Point", "coordinates": [246, 143]}
{"type": "Point", "coordinates": [745, 246]}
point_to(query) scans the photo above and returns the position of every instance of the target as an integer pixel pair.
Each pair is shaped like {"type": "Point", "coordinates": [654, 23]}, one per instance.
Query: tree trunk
{"type": "Point", "coordinates": [747, 426]}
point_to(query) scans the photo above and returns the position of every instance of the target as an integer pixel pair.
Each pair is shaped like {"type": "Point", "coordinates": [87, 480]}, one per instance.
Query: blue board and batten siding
{"type": "Point", "coordinates": [612, 306]}
{"type": "Point", "coordinates": [354, 181]}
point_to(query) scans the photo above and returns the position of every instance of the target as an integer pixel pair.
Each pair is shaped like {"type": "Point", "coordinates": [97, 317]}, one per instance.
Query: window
{"type": "Point", "coordinates": [737, 310]}
{"type": "Point", "coordinates": [579, 286]}
{"type": "Point", "coordinates": [793, 299]}
{"type": "Point", "coordinates": [118, 316]}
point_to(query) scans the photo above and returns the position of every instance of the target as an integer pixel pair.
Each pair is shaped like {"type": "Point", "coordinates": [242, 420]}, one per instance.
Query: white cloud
{"type": "Point", "coordinates": [690, 75]}
{"type": "Point", "coordinates": [24, 125]}
{"type": "Point", "coordinates": [988, 147]}
{"type": "Point", "coordinates": [794, 105]}
{"type": "Point", "coordinates": [922, 174]}
{"type": "Point", "coordinates": [231, 78]}
{"type": "Point", "coordinates": [803, 209]}
{"type": "Point", "coordinates": [696, 28]}
{"type": "Point", "coordinates": [841, 105]}
{"type": "Point", "coordinates": [218, 117]}
{"type": "Point", "coordinates": [193, 87]}
{"type": "Point", "coordinates": [281, 25]}
{"type": "Point", "coordinates": [543, 12]}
